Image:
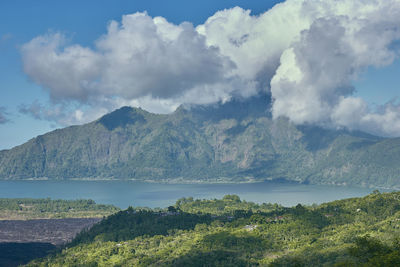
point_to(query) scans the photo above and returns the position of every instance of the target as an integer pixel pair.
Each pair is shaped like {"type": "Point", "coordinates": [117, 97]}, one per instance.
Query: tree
{"type": "Point", "coordinates": [172, 209]}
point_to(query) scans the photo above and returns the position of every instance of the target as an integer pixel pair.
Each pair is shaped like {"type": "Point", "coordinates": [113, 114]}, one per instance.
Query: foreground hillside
{"type": "Point", "coordinates": [229, 232]}
{"type": "Point", "coordinates": [235, 141]}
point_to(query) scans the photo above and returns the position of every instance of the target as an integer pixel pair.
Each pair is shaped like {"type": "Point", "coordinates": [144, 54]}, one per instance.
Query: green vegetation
{"type": "Point", "coordinates": [228, 205]}
{"type": "Point", "coordinates": [16, 254]}
{"type": "Point", "coordinates": [230, 232]}
{"type": "Point", "coordinates": [236, 141]}
{"type": "Point", "coordinates": [29, 208]}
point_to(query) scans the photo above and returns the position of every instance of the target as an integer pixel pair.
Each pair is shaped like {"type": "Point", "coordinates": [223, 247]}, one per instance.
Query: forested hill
{"type": "Point", "coordinates": [235, 141]}
{"type": "Point", "coordinates": [230, 232]}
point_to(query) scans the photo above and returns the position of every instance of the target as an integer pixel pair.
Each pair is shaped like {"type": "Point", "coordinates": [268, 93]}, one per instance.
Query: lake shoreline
{"type": "Point", "coordinates": [181, 181]}
{"type": "Point", "coordinates": [124, 193]}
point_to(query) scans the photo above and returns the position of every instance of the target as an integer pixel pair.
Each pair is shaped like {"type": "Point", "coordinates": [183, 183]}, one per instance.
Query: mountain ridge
{"type": "Point", "coordinates": [235, 141]}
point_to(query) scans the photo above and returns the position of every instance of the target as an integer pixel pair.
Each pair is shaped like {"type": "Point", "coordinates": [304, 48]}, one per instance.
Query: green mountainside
{"type": "Point", "coordinates": [236, 141]}
{"type": "Point", "coordinates": [230, 232]}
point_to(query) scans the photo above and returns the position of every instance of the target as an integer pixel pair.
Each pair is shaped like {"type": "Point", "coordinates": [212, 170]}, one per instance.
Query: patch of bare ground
{"type": "Point", "coordinates": [24, 240]}
{"type": "Point", "coordinates": [54, 231]}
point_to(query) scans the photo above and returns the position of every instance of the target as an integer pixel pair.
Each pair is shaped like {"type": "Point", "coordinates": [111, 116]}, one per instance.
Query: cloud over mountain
{"type": "Point", "coordinates": [313, 83]}
{"type": "Point", "coordinates": [306, 53]}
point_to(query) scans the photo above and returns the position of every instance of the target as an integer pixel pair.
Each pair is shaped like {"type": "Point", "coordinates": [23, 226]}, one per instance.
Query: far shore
{"type": "Point", "coordinates": [223, 180]}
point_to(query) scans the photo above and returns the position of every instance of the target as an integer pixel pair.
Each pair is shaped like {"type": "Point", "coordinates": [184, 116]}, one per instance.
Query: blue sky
{"type": "Point", "coordinates": [84, 22]}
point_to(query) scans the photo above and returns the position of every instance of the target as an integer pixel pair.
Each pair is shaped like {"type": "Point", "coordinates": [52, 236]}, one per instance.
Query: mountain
{"type": "Point", "coordinates": [234, 141]}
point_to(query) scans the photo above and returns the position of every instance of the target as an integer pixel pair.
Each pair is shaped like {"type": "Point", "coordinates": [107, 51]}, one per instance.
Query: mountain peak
{"type": "Point", "coordinates": [122, 117]}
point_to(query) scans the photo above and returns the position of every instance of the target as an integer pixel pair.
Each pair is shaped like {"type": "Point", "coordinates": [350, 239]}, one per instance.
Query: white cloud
{"type": "Point", "coordinates": [140, 57]}
{"type": "Point", "coordinates": [68, 74]}
{"type": "Point", "coordinates": [255, 43]}
{"type": "Point", "coordinates": [307, 53]}
{"type": "Point", "coordinates": [313, 83]}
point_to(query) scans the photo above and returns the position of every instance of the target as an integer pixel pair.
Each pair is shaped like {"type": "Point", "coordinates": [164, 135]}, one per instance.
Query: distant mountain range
{"type": "Point", "coordinates": [236, 141]}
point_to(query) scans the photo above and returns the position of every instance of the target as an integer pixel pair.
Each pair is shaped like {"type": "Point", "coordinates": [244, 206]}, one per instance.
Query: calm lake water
{"type": "Point", "coordinates": [132, 193]}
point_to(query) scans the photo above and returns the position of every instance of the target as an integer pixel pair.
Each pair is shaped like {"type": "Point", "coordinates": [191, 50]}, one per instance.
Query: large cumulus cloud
{"type": "Point", "coordinates": [139, 57]}
{"type": "Point", "coordinates": [307, 53]}
{"type": "Point", "coordinates": [313, 83]}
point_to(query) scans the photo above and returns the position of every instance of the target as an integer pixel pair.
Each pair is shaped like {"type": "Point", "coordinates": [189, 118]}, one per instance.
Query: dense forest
{"type": "Point", "coordinates": [30, 208]}
{"type": "Point", "coordinates": [231, 232]}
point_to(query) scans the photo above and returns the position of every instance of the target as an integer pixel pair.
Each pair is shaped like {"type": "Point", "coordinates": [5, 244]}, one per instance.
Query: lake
{"type": "Point", "coordinates": [133, 193]}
